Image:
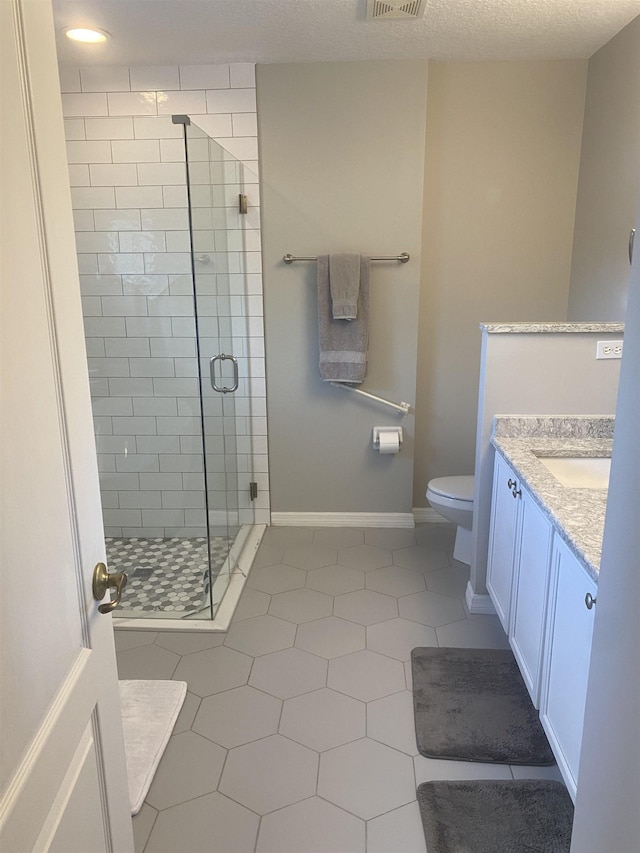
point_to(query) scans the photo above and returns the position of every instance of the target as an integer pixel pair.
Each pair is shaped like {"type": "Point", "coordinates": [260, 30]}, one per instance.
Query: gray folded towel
{"type": "Point", "coordinates": [344, 283]}
{"type": "Point", "coordinates": [343, 346]}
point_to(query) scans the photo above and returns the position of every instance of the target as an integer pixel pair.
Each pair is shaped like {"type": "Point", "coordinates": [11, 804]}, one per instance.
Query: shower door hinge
{"type": "Point", "coordinates": [253, 491]}
{"type": "Point", "coordinates": [242, 203]}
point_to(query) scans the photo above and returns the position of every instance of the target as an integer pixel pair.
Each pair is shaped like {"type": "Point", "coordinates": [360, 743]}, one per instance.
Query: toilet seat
{"type": "Point", "coordinates": [453, 491]}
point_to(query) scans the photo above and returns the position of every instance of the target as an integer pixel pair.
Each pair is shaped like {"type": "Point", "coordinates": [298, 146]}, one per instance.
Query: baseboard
{"type": "Point", "coordinates": [423, 514]}
{"type": "Point", "coordinates": [342, 519]}
{"type": "Point", "coordinates": [480, 604]}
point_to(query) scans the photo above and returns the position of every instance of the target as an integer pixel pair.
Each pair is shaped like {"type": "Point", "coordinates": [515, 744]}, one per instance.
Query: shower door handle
{"type": "Point", "coordinates": [212, 369]}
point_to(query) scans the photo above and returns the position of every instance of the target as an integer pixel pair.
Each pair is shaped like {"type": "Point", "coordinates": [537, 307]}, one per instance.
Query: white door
{"type": "Point", "coordinates": [62, 769]}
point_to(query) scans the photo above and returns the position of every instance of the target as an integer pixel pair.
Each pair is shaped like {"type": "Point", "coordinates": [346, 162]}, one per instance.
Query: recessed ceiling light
{"type": "Point", "coordinates": [84, 34]}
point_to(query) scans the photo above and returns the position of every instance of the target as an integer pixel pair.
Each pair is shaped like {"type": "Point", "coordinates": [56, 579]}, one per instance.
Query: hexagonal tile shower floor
{"type": "Point", "coordinates": [167, 577]}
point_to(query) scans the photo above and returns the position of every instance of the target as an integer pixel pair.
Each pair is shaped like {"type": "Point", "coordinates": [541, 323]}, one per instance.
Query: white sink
{"type": "Point", "coordinates": [579, 472]}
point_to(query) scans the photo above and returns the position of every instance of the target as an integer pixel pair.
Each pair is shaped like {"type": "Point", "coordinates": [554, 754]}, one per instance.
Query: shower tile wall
{"type": "Point", "coordinates": [127, 175]}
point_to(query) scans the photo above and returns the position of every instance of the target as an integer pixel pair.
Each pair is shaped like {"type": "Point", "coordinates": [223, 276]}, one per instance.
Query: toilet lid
{"type": "Point", "coordinates": [460, 488]}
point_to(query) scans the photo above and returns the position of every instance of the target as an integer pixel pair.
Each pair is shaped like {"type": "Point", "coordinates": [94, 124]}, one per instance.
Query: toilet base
{"type": "Point", "coordinates": [462, 546]}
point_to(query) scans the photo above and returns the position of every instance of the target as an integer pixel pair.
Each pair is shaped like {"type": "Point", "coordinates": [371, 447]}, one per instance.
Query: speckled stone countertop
{"type": "Point", "coordinates": [577, 514]}
{"type": "Point", "coordinates": [546, 328]}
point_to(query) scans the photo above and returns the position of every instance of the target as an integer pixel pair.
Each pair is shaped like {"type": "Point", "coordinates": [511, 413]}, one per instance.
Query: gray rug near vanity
{"type": "Point", "coordinates": [496, 816]}
{"type": "Point", "coordinates": [472, 705]}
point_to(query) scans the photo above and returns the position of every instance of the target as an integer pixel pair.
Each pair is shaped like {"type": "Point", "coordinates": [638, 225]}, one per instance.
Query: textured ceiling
{"type": "Point", "coordinates": [170, 32]}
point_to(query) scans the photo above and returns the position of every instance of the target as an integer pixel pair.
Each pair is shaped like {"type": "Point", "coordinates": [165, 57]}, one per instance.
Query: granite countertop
{"type": "Point", "coordinates": [547, 328]}
{"type": "Point", "coordinates": [578, 514]}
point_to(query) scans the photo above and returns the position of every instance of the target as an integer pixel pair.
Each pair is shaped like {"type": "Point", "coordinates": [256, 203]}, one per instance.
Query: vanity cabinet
{"type": "Point", "coordinates": [518, 571]}
{"type": "Point", "coordinates": [502, 539]}
{"type": "Point", "coordinates": [569, 631]}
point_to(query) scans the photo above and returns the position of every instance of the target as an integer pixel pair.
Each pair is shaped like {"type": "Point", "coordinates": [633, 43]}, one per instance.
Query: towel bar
{"type": "Point", "coordinates": [402, 408]}
{"type": "Point", "coordinates": [403, 258]}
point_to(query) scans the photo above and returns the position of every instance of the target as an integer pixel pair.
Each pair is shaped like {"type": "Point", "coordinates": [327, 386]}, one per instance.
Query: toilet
{"type": "Point", "coordinates": [452, 498]}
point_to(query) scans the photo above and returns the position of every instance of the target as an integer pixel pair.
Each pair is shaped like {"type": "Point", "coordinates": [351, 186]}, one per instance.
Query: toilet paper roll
{"type": "Point", "coordinates": [389, 442]}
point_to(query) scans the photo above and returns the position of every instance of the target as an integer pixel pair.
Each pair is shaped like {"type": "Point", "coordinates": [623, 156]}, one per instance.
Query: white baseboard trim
{"type": "Point", "coordinates": [480, 604]}
{"type": "Point", "coordinates": [342, 519]}
{"type": "Point", "coordinates": [427, 513]}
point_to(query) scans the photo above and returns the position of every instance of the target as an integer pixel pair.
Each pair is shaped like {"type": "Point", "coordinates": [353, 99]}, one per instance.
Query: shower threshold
{"type": "Point", "coordinates": [191, 611]}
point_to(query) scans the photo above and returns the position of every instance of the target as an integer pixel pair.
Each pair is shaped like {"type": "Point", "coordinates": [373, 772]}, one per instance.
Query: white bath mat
{"type": "Point", "coordinates": [149, 713]}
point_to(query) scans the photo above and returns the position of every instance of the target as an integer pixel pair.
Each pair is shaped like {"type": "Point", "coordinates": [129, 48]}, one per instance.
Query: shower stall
{"type": "Point", "coordinates": [178, 397]}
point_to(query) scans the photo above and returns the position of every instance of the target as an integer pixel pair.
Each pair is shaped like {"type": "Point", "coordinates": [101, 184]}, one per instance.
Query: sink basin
{"type": "Point", "coordinates": [579, 472]}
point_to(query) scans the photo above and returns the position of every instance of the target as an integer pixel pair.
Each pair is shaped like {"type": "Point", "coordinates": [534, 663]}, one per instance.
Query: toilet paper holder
{"type": "Point", "coordinates": [386, 431]}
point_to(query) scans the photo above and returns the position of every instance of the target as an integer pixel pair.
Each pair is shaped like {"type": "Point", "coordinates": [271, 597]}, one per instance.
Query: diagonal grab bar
{"type": "Point", "coordinates": [402, 408]}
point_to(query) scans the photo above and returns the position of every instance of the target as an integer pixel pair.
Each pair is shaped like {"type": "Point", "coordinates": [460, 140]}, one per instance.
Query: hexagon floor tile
{"type": "Point", "coordinates": [364, 557]}
{"type": "Point", "coordinates": [366, 778]}
{"type": "Point", "coordinates": [269, 774]}
{"type": "Point", "coordinates": [268, 555]}
{"type": "Point", "coordinates": [431, 608]}
{"type": "Point", "coordinates": [450, 581]}
{"type": "Point", "coordinates": [252, 603]}
{"type": "Point", "coordinates": [323, 719]}
{"type": "Point", "coordinates": [310, 723]}
{"type": "Point", "coordinates": [193, 826]}
{"type": "Point", "coordinates": [148, 661]}
{"type": "Point", "coordinates": [301, 605]}
{"type": "Point", "coordinates": [395, 580]}
{"type": "Point", "coordinates": [335, 580]}
{"type": "Point", "coordinates": [285, 537]}
{"type": "Point", "coordinates": [238, 716]}
{"type": "Point", "coordinates": [365, 606]}
{"type": "Point", "coordinates": [289, 673]}
{"type": "Point", "coordinates": [131, 639]}
{"type": "Point", "coordinates": [186, 644]}
{"type": "Point", "coordinates": [261, 635]}
{"type": "Point", "coordinates": [338, 537]}
{"type": "Point", "coordinates": [311, 826]}
{"type": "Point", "coordinates": [274, 579]}
{"type": "Point", "coordinates": [475, 632]}
{"type": "Point", "coordinates": [330, 637]}
{"type": "Point", "coordinates": [214, 670]}
{"type": "Point", "coordinates": [421, 558]}
{"type": "Point", "coordinates": [366, 675]}
{"type": "Point", "coordinates": [390, 538]}
{"type": "Point", "coordinates": [309, 556]}
{"type": "Point", "coordinates": [399, 830]}
{"type": "Point", "coordinates": [396, 637]}
{"type": "Point", "coordinates": [191, 766]}
{"type": "Point", "coordinates": [390, 721]}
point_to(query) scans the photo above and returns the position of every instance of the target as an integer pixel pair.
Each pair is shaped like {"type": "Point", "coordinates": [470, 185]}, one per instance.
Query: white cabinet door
{"type": "Point", "coordinates": [63, 785]}
{"type": "Point", "coordinates": [566, 664]}
{"type": "Point", "coordinates": [502, 539]}
{"type": "Point", "coordinates": [531, 581]}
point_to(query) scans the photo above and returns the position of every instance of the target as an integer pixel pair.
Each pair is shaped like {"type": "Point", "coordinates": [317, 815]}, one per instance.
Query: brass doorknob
{"type": "Point", "coordinates": [104, 580]}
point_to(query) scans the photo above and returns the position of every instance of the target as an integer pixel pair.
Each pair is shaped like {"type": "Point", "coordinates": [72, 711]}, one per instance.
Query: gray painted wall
{"type": "Point", "coordinates": [609, 186]}
{"type": "Point", "coordinates": [502, 156]}
{"type": "Point", "coordinates": [342, 154]}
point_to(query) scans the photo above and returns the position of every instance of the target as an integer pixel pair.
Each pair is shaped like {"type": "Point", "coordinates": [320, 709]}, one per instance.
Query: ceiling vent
{"type": "Point", "coordinates": [378, 10]}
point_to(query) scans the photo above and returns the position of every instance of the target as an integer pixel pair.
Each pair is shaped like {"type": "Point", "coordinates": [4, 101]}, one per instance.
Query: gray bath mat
{"type": "Point", "coordinates": [472, 705]}
{"type": "Point", "coordinates": [525, 816]}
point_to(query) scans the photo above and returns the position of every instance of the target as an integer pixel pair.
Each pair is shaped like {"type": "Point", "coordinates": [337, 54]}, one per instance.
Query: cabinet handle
{"type": "Point", "coordinates": [515, 491]}
{"type": "Point", "coordinates": [589, 601]}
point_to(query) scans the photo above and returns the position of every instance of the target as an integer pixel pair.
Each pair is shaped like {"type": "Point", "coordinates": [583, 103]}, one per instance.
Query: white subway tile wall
{"type": "Point", "coordinates": [127, 173]}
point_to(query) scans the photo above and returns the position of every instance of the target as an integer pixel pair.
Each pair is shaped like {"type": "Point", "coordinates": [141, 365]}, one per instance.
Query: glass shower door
{"type": "Point", "coordinates": [215, 187]}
